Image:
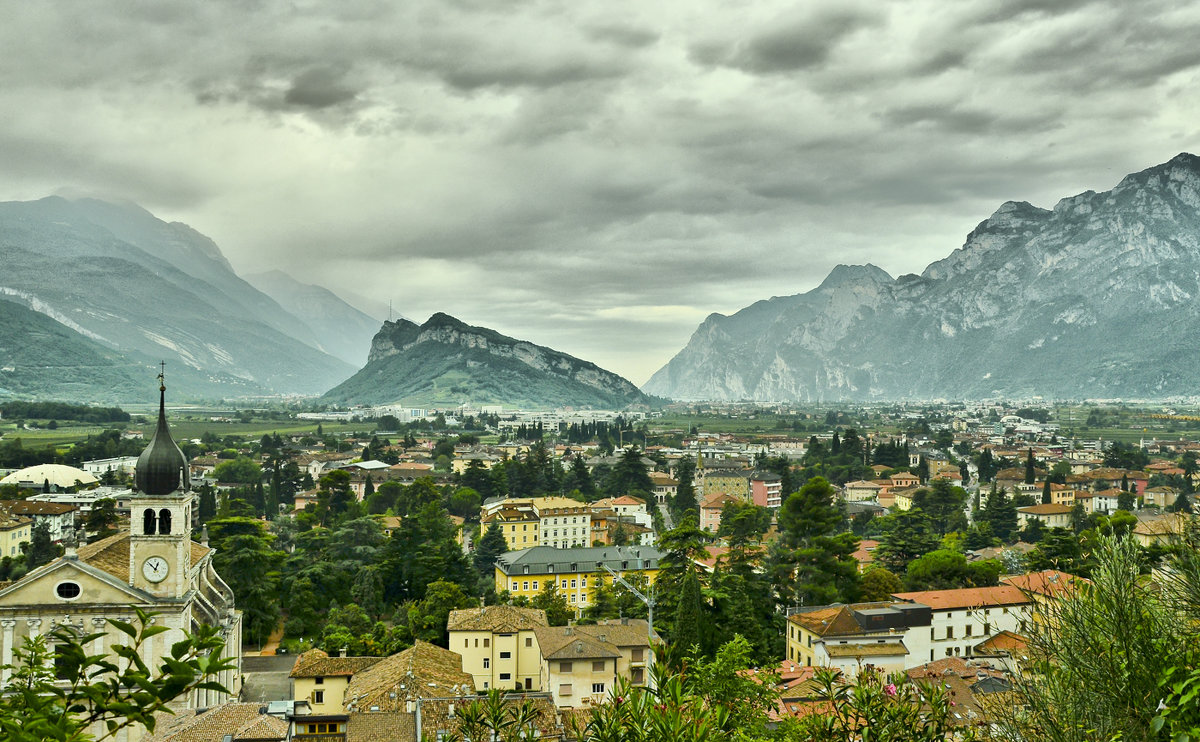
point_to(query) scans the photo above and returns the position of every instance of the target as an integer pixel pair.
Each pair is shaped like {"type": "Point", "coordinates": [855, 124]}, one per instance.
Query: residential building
{"type": "Point", "coordinates": [498, 646]}
{"type": "Point", "coordinates": [580, 665]}
{"type": "Point", "coordinates": [961, 618]}
{"type": "Point", "coordinates": [861, 490]}
{"type": "Point", "coordinates": [766, 489]}
{"type": "Point", "coordinates": [1051, 515]}
{"type": "Point", "coordinates": [574, 572]}
{"type": "Point", "coordinates": [883, 634]}
{"type": "Point", "coordinates": [15, 530]}
{"type": "Point", "coordinates": [711, 507]}
{"type": "Point", "coordinates": [321, 680]}
{"type": "Point", "coordinates": [98, 467]}
{"type": "Point", "coordinates": [565, 528]}
{"type": "Point", "coordinates": [664, 486]}
{"type": "Point", "coordinates": [727, 481]}
{"type": "Point", "coordinates": [58, 516]}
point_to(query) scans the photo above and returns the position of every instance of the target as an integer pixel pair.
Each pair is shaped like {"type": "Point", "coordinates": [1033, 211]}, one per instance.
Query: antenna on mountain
{"type": "Point", "coordinates": [389, 310]}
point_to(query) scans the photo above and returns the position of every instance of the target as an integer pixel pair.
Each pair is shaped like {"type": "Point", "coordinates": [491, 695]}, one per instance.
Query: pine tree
{"type": "Point", "coordinates": [491, 545]}
{"type": "Point", "coordinates": [1000, 512]}
{"type": "Point", "coordinates": [40, 549]}
{"type": "Point", "coordinates": [685, 492]}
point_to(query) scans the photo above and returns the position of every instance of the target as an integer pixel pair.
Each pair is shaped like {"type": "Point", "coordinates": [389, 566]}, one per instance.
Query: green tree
{"type": "Point", "coordinates": [335, 498]}
{"type": "Point", "coordinates": [465, 503]}
{"type": "Point", "coordinates": [40, 549]}
{"type": "Point", "coordinates": [101, 521]}
{"type": "Point", "coordinates": [944, 503]}
{"type": "Point", "coordinates": [906, 535]}
{"type": "Point", "coordinates": [427, 617]}
{"type": "Point", "coordinates": [208, 503]}
{"type": "Point", "coordinates": [629, 475]}
{"type": "Point", "coordinates": [250, 567]}
{"type": "Point", "coordinates": [685, 632]}
{"type": "Point", "coordinates": [1077, 686]}
{"type": "Point", "coordinates": [242, 470]}
{"type": "Point", "coordinates": [685, 492]}
{"type": "Point", "coordinates": [554, 603]}
{"type": "Point", "coordinates": [491, 545]}
{"type": "Point", "coordinates": [879, 583]}
{"type": "Point", "coordinates": [1001, 514]}
{"type": "Point", "coordinates": [813, 561]}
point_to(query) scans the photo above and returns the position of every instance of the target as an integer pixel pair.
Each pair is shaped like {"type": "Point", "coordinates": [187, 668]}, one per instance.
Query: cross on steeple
{"type": "Point", "coordinates": [162, 369]}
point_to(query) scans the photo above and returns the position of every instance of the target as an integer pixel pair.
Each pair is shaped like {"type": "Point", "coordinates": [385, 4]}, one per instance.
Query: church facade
{"type": "Point", "coordinates": [155, 566]}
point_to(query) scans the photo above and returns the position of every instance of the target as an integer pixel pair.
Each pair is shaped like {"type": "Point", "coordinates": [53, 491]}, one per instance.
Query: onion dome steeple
{"type": "Point", "coordinates": [162, 468]}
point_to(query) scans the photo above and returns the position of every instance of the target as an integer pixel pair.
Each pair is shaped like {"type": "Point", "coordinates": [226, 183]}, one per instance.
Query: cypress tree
{"type": "Point", "coordinates": [1029, 472]}
{"type": "Point", "coordinates": [1046, 498]}
{"type": "Point", "coordinates": [686, 631]}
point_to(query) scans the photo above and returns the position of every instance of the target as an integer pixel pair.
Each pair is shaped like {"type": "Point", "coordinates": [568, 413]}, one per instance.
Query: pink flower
{"type": "Point", "coordinates": [890, 689]}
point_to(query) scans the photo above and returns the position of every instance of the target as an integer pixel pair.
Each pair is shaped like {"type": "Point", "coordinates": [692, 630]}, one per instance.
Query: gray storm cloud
{"type": "Point", "coordinates": [596, 177]}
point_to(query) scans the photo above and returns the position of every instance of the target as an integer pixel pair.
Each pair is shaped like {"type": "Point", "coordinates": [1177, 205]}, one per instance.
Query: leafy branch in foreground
{"type": "Point", "coordinates": [60, 692]}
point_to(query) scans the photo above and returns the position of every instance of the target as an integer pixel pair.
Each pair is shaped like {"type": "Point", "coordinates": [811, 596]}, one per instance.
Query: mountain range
{"type": "Point", "coordinates": [447, 362]}
{"type": "Point", "coordinates": [1096, 298]}
{"type": "Point", "coordinates": [133, 289]}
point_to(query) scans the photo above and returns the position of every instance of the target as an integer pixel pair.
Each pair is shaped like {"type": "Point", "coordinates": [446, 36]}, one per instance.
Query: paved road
{"type": "Point", "coordinates": [668, 521]}
{"type": "Point", "coordinates": [266, 678]}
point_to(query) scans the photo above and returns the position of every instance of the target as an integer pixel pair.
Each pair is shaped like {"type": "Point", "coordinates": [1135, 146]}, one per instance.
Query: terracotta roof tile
{"type": "Point", "coordinates": [421, 670]}
{"type": "Point", "coordinates": [496, 618]}
{"type": "Point", "coordinates": [316, 663]}
{"type": "Point", "coordinates": [967, 597]}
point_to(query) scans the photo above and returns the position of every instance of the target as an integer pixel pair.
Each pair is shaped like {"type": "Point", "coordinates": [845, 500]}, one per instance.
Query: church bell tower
{"type": "Point", "coordinates": [160, 514]}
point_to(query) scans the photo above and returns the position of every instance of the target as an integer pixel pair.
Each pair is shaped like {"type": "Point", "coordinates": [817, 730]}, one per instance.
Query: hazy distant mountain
{"type": "Point", "coordinates": [338, 328]}
{"type": "Point", "coordinates": [1096, 298]}
{"type": "Point", "coordinates": [44, 359]}
{"type": "Point", "coordinates": [445, 361]}
{"type": "Point", "coordinates": [153, 290]}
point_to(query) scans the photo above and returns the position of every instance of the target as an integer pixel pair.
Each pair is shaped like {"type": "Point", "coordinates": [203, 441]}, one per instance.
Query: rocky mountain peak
{"type": "Point", "coordinates": [1096, 298]}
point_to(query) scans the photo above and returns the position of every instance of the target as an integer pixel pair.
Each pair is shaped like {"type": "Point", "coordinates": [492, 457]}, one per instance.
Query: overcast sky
{"type": "Point", "coordinates": [593, 176]}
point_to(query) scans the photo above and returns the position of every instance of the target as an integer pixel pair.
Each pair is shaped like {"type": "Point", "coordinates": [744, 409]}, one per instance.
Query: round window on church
{"type": "Point", "coordinates": [67, 590]}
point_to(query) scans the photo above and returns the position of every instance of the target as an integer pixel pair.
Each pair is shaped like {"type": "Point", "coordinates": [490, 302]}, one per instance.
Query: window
{"type": "Point", "coordinates": [525, 585]}
{"type": "Point", "coordinates": [67, 590]}
{"type": "Point", "coordinates": [319, 696]}
{"type": "Point", "coordinates": [487, 662]}
{"type": "Point", "coordinates": [949, 632]}
{"type": "Point", "coordinates": [467, 643]}
{"type": "Point", "coordinates": [506, 655]}
{"type": "Point", "coordinates": [597, 687]}
{"type": "Point", "coordinates": [529, 641]}
{"type": "Point", "coordinates": [324, 728]}
{"type": "Point", "coordinates": [564, 584]}
{"type": "Point", "coordinates": [318, 681]}
{"type": "Point", "coordinates": [487, 641]}
{"type": "Point", "coordinates": [565, 667]}
{"type": "Point", "coordinates": [535, 585]}
{"type": "Point", "coordinates": [514, 589]}
{"type": "Point", "coordinates": [637, 676]}
{"type": "Point", "coordinates": [564, 689]}
{"type": "Point", "coordinates": [573, 596]}
{"type": "Point", "coordinates": [528, 683]}
{"type": "Point", "coordinates": [598, 666]}
{"type": "Point", "coordinates": [636, 654]}
{"type": "Point", "coordinates": [968, 630]}
{"type": "Point", "coordinates": [506, 676]}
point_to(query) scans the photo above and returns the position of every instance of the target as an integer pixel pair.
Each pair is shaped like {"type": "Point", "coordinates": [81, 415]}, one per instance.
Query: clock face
{"type": "Point", "coordinates": [155, 569]}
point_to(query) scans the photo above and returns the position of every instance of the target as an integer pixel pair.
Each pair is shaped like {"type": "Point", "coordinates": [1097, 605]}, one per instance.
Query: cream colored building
{"type": "Point", "coordinates": [322, 680]}
{"type": "Point", "coordinates": [14, 531]}
{"type": "Point", "coordinates": [580, 665]}
{"type": "Point", "coordinates": [1051, 515]}
{"type": "Point", "coordinates": [154, 566]}
{"type": "Point", "coordinates": [498, 646]}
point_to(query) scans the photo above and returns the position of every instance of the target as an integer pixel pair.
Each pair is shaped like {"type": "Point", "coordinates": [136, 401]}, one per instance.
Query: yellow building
{"type": "Point", "coordinates": [580, 665]}
{"type": "Point", "coordinates": [729, 482]}
{"type": "Point", "coordinates": [519, 526]}
{"type": "Point", "coordinates": [322, 680]}
{"type": "Point", "coordinates": [575, 572]}
{"type": "Point", "coordinates": [498, 645]}
{"type": "Point", "coordinates": [14, 531]}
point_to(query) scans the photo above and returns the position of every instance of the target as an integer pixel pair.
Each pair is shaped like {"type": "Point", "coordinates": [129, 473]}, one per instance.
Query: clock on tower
{"type": "Point", "coordinates": [160, 514]}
